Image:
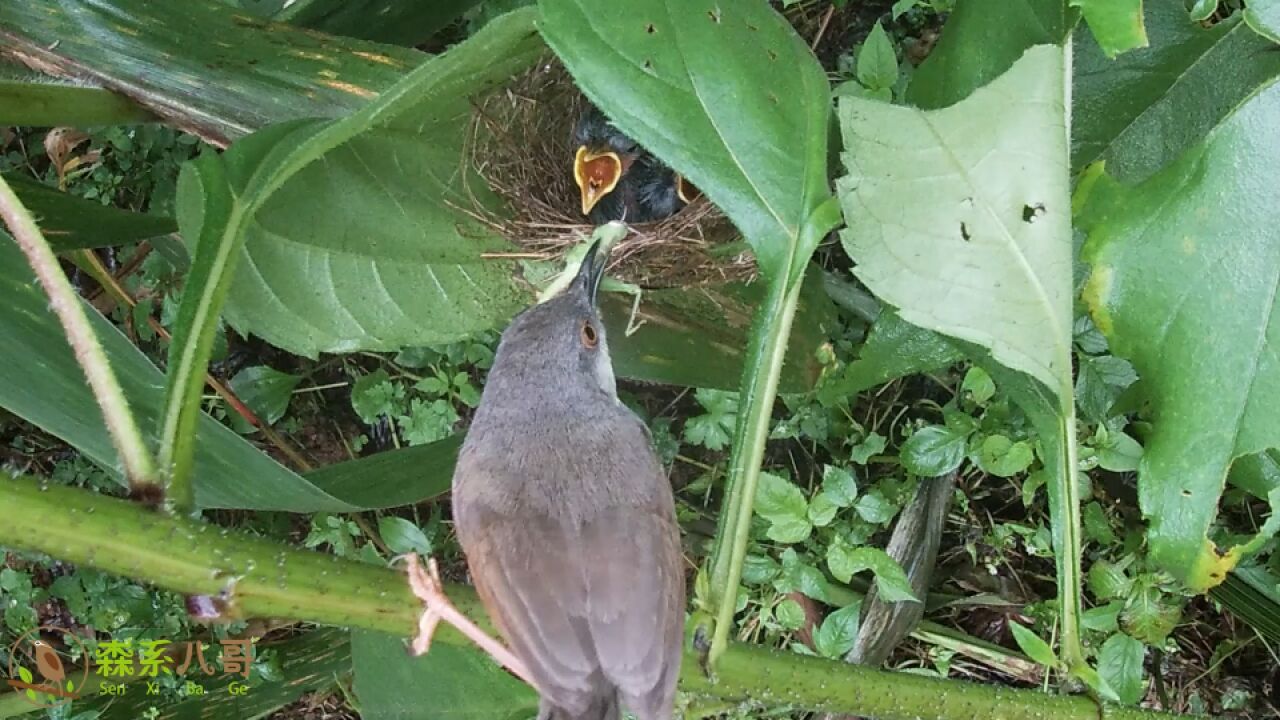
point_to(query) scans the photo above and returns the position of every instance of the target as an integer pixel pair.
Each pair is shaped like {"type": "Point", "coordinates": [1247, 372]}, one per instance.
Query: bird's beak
{"type": "Point", "coordinates": [687, 191]}
{"type": "Point", "coordinates": [597, 174]}
{"type": "Point", "coordinates": [592, 270]}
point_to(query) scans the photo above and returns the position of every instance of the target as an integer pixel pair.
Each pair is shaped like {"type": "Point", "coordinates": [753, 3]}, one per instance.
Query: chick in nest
{"type": "Point", "coordinates": [620, 180]}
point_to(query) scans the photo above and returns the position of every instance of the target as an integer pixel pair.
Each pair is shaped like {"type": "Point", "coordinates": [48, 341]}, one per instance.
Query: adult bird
{"type": "Point", "coordinates": [618, 179]}
{"type": "Point", "coordinates": [566, 518]}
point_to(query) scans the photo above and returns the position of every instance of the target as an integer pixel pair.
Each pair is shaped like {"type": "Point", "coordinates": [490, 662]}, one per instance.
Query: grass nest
{"type": "Point", "coordinates": [520, 145]}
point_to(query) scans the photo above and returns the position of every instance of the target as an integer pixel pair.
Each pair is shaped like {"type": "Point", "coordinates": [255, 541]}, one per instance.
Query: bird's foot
{"type": "Point", "coordinates": [426, 586]}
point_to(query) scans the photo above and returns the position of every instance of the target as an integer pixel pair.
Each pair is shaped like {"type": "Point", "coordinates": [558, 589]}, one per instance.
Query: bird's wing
{"type": "Point", "coordinates": [527, 573]}
{"type": "Point", "coordinates": [585, 610]}
{"type": "Point", "coordinates": [634, 575]}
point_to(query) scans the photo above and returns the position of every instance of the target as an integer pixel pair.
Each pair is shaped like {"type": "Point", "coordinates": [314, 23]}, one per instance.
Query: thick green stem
{"type": "Point", "coordinates": [259, 578]}
{"type": "Point", "coordinates": [65, 303]}
{"type": "Point", "coordinates": [755, 409]}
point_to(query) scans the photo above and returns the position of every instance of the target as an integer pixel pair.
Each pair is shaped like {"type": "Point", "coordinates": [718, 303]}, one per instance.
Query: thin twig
{"type": "Point", "coordinates": [139, 466]}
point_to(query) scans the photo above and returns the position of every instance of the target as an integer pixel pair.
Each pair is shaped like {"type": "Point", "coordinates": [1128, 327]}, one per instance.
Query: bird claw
{"type": "Point", "coordinates": [426, 586]}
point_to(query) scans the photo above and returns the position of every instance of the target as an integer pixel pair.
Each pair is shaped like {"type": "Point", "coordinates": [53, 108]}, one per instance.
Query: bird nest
{"type": "Point", "coordinates": [520, 145]}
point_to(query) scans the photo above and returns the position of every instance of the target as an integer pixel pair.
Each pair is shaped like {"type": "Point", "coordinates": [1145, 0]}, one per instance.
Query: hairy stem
{"type": "Point", "coordinates": [760, 388]}
{"type": "Point", "coordinates": [65, 303]}
{"type": "Point", "coordinates": [256, 577]}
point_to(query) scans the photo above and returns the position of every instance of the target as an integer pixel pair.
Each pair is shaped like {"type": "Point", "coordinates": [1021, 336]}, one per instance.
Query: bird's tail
{"type": "Point", "coordinates": [603, 707]}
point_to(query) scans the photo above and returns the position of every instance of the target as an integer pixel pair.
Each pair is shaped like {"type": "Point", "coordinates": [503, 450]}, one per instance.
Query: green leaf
{"type": "Point", "coordinates": [726, 77]}
{"type": "Point", "coordinates": [789, 614]}
{"type": "Point", "coordinates": [375, 395]}
{"type": "Point", "coordinates": [1142, 110]}
{"type": "Point", "coordinates": [1263, 16]}
{"type": "Point", "coordinates": [933, 450]}
{"type": "Point", "coordinates": [893, 349]}
{"type": "Point", "coordinates": [875, 508]}
{"type": "Point", "coordinates": [1104, 618]}
{"type": "Point", "coordinates": [403, 536]}
{"type": "Point", "coordinates": [1002, 457]}
{"type": "Point", "coordinates": [973, 50]}
{"type": "Point", "coordinates": [1149, 614]}
{"type": "Point", "coordinates": [448, 683]}
{"type": "Point", "coordinates": [1032, 646]}
{"type": "Point", "coordinates": [935, 195]}
{"type": "Point", "coordinates": [428, 422]}
{"type": "Point", "coordinates": [977, 386]}
{"type": "Point", "coordinates": [697, 337]}
{"type": "Point", "coordinates": [1201, 10]}
{"type": "Point", "coordinates": [399, 22]}
{"type": "Point", "coordinates": [891, 581]}
{"type": "Point", "coordinates": [1121, 454]}
{"type": "Point", "coordinates": [838, 632]}
{"type": "Point", "coordinates": [1116, 24]}
{"type": "Point", "coordinates": [265, 390]}
{"type": "Point", "coordinates": [1148, 253]}
{"type": "Point", "coordinates": [73, 223]}
{"type": "Point", "coordinates": [711, 429]}
{"type": "Point", "coordinates": [205, 65]}
{"type": "Point", "coordinates": [872, 444]}
{"type": "Point", "coordinates": [1099, 381]}
{"type": "Point", "coordinates": [349, 226]}
{"type": "Point", "coordinates": [877, 63]}
{"type": "Point", "coordinates": [41, 103]}
{"type": "Point", "coordinates": [1096, 525]}
{"type": "Point", "coordinates": [1108, 580]}
{"type": "Point", "coordinates": [839, 486]}
{"type": "Point", "coordinates": [780, 502]}
{"type": "Point", "coordinates": [822, 510]}
{"type": "Point", "coordinates": [1120, 663]}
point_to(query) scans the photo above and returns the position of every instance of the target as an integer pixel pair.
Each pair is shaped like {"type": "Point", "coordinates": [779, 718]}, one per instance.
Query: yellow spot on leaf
{"type": "Point", "coordinates": [1188, 246]}
{"type": "Point", "coordinates": [128, 30]}
{"type": "Point", "coordinates": [308, 55]}
{"type": "Point", "coordinates": [349, 88]}
{"type": "Point", "coordinates": [1095, 295]}
{"type": "Point", "coordinates": [379, 58]}
{"type": "Point", "coordinates": [327, 74]}
{"type": "Point", "coordinates": [1212, 565]}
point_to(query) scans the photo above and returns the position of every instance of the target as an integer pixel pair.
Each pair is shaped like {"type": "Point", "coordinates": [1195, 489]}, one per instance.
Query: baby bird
{"type": "Point", "coordinates": [619, 179]}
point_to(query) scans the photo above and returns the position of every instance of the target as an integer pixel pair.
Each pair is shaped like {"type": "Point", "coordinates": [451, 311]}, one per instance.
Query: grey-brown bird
{"type": "Point", "coordinates": [566, 518]}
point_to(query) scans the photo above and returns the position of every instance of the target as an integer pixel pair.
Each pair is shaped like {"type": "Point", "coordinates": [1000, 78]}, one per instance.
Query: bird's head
{"type": "Point", "coordinates": [560, 341]}
{"type": "Point", "coordinates": [604, 154]}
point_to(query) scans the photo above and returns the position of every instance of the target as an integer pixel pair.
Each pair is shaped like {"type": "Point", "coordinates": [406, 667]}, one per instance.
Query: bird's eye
{"type": "Point", "coordinates": [589, 337]}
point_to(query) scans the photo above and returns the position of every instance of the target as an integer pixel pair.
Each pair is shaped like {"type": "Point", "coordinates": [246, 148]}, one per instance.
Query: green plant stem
{"type": "Point", "coordinates": [260, 578]}
{"type": "Point", "coordinates": [1070, 586]}
{"type": "Point", "coordinates": [760, 388]}
{"type": "Point", "coordinates": [65, 303]}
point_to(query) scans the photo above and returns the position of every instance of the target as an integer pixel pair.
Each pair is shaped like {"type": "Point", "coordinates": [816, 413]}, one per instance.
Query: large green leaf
{"type": "Point", "coordinates": [960, 217]}
{"type": "Point", "coordinates": [1184, 284]}
{"type": "Point", "coordinates": [1145, 108]}
{"type": "Point", "coordinates": [974, 50]}
{"type": "Point", "coordinates": [731, 76]}
{"type": "Point", "coordinates": [450, 682]}
{"type": "Point", "coordinates": [201, 64]}
{"type": "Point", "coordinates": [347, 235]}
{"type": "Point", "coordinates": [72, 223]}
{"type": "Point", "coordinates": [350, 239]}
{"type": "Point", "coordinates": [401, 22]}
{"type": "Point", "coordinates": [696, 337]}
